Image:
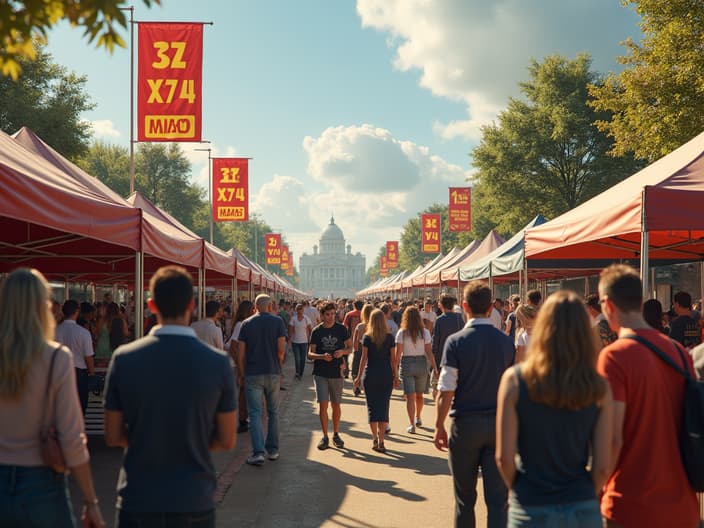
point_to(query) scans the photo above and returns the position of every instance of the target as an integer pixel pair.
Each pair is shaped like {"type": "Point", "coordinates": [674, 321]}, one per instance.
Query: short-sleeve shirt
{"type": "Point", "coordinates": [649, 486]}
{"type": "Point", "coordinates": [169, 385]}
{"type": "Point", "coordinates": [685, 330]}
{"type": "Point", "coordinates": [77, 339]}
{"type": "Point", "coordinates": [300, 329]}
{"type": "Point", "coordinates": [428, 316]}
{"type": "Point", "coordinates": [410, 349]}
{"type": "Point", "coordinates": [327, 341]}
{"type": "Point", "coordinates": [261, 333]}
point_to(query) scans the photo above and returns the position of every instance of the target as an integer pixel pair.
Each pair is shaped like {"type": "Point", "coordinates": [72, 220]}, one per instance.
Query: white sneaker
{"type": "Point", "coordinates": [256, 460]}
{"type": "Point", "coordinates": [418, 422]}
{"type": "Point", "coordinates": [388, 429]}
{"type": "Point", "coordinates": [411, 429]}
{"type": "Point", "coordinates": [273, 456]}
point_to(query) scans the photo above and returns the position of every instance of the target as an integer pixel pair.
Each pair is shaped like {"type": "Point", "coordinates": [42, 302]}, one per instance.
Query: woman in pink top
{"type": "Point", "coordinates": [31, 494]}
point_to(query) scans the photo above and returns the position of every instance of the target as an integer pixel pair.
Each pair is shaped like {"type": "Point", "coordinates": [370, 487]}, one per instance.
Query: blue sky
{"type": "Point", "coordinates": [367, 109]}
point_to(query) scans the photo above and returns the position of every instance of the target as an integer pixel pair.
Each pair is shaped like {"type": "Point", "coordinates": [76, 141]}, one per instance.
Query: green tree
{"type": "Point", "coordinates": [163, 174]}
{"type": "Point", "coordinates": [110, 164]}
{"type": "Point", "coordinates": [24, 22]}
{"type": "Point", "coordinates": [50, 101]}
{"type": "Point", "coordinates": [410, 256]}
{"type": "Point", "coordinates": [544, 155]}
{"type": "Point", "coordinates": [657, 101]}
{"type": "Point", "coordinates": [373, 272]}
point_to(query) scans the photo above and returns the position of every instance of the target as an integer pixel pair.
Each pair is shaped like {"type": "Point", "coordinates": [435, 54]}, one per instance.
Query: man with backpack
{"type": "Point", "coordinates": [649, 486]}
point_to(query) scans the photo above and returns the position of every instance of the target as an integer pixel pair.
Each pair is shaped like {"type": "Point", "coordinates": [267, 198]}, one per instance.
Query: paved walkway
{"type": "Point", "coordinates": [353, 487]}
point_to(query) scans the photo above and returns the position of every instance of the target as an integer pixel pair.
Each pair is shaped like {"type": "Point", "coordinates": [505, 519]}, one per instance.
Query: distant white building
{"type": "Point", "coordinates": [333, 271]}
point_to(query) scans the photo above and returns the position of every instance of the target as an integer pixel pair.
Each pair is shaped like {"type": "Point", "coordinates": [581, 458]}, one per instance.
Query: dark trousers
{"type": "Point", "coordinates": [204, 519]}
{"type": "Point", "coordinates": [472, 445]}
{"type": "Point", "coordinates": [82, 387]}
{"type": "Point", "coordinates": [355, 362]}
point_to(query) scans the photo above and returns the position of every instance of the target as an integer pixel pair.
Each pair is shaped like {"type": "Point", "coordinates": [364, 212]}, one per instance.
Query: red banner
{"type": "Point", "coordinates": [289, 271]}
{"type": "Point", "coordinates": [169, 81]}
{"type": "Point", "coordinates": [284, 258]}
{"type": "Point", "coordinates": [430, 233]}
{"type": "Point", "coordinates": [460, 209]}
{"type": "Point", "coordinates": [230, 190]}
{"type": "Point", "coordinates": [383, 266]}
{"type": "Point", "coordinates": [392, 254]}
{"type": "Point", "coordinates": [272, 245]}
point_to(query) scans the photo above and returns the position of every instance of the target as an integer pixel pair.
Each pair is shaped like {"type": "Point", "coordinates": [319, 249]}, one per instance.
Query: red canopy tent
{"type": "Point", "coordinates": [655, 216]}
{"type": "Point", "coordinates": [450, 274]}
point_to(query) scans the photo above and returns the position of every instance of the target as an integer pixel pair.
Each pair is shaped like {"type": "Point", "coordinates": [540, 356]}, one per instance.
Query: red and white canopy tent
{"type": "Point", "coordinates": [655, 216]}
{"type": "Point", "coordinates": [450, 274]}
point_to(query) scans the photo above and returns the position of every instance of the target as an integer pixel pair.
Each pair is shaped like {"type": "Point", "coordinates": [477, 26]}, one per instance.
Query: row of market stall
{"type": "Point", "coordinates": [653, 218]}
{"type": "Point", "coordinates": [72, 227]}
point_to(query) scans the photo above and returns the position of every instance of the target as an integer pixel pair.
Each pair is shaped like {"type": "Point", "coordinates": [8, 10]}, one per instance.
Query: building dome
{"type": "Point", "coordinates": [332, 232]}
{"type": "Point", "coordinates": [332, 240]}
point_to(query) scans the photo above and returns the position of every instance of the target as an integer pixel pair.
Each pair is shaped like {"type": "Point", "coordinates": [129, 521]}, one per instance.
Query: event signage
{"type": "Point", "coordinates": [284, 257]}
{"type": "Point", "coordinates": [272, 245]}
{"type": "Point", "coordinates": [430, 233]}
{"type": "Point", "coordinates": [383, 266]}
{"type": "Point", "coordinates": [392, 254]}
{"type": "Point", "coordinates": [169, 81]}
{"type": "Point", "coordinates": [230, 189]}
{"type": "Point", "coordinates": [289, 271]}
{"type": "Point", "coordinates": [460, 209]}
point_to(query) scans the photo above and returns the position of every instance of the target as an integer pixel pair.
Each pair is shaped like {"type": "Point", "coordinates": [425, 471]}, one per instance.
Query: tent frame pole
{"type": "Point", "coordinates": [644, 239]}
{"type": "Point", "coordinates": [138, 294]}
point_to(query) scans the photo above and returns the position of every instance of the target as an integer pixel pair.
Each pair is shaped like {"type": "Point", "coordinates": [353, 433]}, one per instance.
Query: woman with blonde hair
{"type": "Point", "coordinates": [554, 409]}
{"type": "Point", "coordinates": [357, 337]}
{"type": "Point", "coordinates": [525, 319]}
{"type": "Point", "coordinates": [413, 349]}
{"type": "Point", "coordinates": [377, 366]}
{"type": "Point", "coordinates": [36, 377]}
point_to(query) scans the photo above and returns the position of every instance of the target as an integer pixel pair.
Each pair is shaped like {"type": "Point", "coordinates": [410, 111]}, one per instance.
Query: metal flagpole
{"type": "Point", "coordinates": [644, 260]}
{"type": "Point", "coordinates": [210, 187]}
{"type": "Point", "coordinates": [131, 10]}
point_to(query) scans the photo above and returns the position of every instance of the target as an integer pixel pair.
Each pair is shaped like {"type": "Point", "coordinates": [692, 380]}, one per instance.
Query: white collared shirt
{"type": "Point", "coordinates": [77, 339]}
{"type": "Point", "coordinates": [208, 332]}
{"type": "Point", "coordinates": [179, 330]}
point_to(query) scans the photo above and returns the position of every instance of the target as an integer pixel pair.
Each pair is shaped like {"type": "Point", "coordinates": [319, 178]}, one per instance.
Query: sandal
{"type": "Point", "coordinates": [381, 448]}
{"type": "Point", "coordinates": [375, 445]}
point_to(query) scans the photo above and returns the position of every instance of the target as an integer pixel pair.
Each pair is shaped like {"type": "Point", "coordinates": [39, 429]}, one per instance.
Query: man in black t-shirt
{"type": "Point", "coordinates": [684, 328]}
{"type": "Point", "coordinates": [329, 344]}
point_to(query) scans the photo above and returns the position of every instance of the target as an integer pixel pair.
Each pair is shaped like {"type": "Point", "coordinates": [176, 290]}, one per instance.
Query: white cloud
{"type": "Point", "coordinates": [476, 51]}
{"type": "Point", "coordinates": [104, 128]}
{"type": "Point", "coordinates": [283, 204]}
{"type": "Point", "coordinates": [198, 158]}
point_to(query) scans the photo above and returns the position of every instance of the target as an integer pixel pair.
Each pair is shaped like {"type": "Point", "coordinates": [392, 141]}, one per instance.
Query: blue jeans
{"type": "Point", "coordinates": [582, 514]}
{"type": "Point", "coordinates": [472, 444]}
{"type": "Point", "coordinates": [299, 356]}
{"type": "Point", "coordinates": [34, 497]}
{"type": "Point", "coordinates": [257, 388]}
{"type": "Point", "coordinates": [204, 519]}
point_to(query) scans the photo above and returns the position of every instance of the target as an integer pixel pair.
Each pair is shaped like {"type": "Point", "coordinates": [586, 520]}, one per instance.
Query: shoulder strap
{"type": "Point", "coordinates": [48, 392]}
{"type": "Point", "coordinates": [664, 357]}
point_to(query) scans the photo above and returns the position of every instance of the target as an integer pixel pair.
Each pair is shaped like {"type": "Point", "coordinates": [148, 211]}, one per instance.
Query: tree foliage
{"type": "Point", "coordinates": [544, 155]}
{"type": "Point", "coordinates": [22, 23]}
{"type": "Point", "coordinates": [410, 255]}
{"type": "Point", "coordinates": [49, 100]}
{"type": "Point", "coordinates": [657, 101]}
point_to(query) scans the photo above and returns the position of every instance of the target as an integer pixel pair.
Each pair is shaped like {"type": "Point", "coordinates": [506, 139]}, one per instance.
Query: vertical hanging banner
{"type": "Point", "coordinates": [392, 254]}
{"type": "Point", "coordinates": [169, 81]}
{"type": "Point", "coordinates": [272, 245]}
{"type": "Point", "coordinates": [430, 233]}
{"type": "Point", "coordinates": [460, 209]}
{"type": "Point", "coordinates": [230, 189]}
{"type": "Point", "coordinates": [383, 266]}
{"type": "Point", "coordinates": [284, 257]}
{"type": "Point", "coordinates": [289, 271]}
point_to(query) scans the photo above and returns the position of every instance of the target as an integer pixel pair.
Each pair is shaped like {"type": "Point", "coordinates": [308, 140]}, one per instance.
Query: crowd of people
{"type": "Point", "coordinates": [571, 420]}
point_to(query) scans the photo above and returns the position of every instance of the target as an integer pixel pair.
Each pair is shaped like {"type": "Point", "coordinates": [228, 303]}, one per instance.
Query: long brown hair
{"type": "Point", "coordinates": [411, 323]}
{"type": "Point", "coordinates": [560, 367]}
{"type": "Point", "coordinates": [376, 327]}
{"type": "Point", "coordinates": [366, 313]}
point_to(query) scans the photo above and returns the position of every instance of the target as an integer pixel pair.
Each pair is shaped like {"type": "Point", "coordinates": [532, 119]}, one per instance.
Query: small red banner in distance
{"type": "Point", "coordinates": [230, 189]}
{"type": "Point", "coordinates": [430, 233]}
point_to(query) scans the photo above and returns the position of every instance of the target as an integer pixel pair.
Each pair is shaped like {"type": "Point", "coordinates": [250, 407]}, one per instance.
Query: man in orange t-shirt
{"type": "Point", "coordinates": [648, 486]}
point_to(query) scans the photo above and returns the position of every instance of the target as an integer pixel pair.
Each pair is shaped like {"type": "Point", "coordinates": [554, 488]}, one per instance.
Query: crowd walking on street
{"type": "Point", "coordinates": [558, 407]}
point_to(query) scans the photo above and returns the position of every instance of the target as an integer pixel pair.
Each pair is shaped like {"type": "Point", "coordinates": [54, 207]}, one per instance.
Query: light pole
{"type": "Point", "coordinates": [210, 190]}
{"type": "Point", "coordinates": [131, 10]}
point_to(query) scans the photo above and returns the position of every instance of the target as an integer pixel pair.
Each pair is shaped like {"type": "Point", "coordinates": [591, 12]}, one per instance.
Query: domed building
{"type": "Point", "coordinates": [332, 270]}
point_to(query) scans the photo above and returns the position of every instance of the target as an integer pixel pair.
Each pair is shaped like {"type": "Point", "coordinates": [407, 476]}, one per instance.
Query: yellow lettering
{"type": "Point", "coordinates": [154, 96]}
{"type": "Point", "coordinates": [165, 61]}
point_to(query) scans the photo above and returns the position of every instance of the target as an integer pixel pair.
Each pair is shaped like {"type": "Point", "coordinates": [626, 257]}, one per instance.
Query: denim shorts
{"type": "Point", "coordinates": [34, 496]}
{"type": "Point", "coordinates": [414, 373]}
{"type": "Point", "coordinates": [328, 389]}
{"type": "Point", "coordinates": [581, 514]}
